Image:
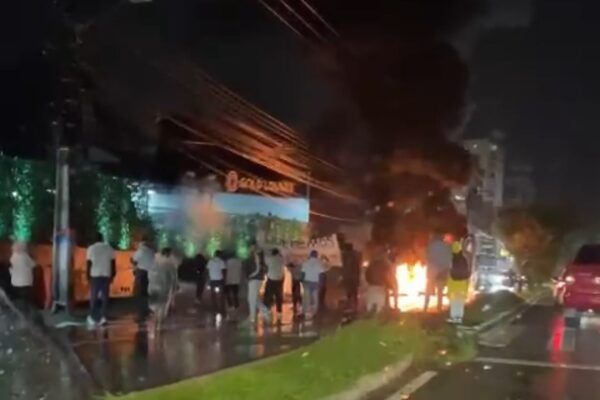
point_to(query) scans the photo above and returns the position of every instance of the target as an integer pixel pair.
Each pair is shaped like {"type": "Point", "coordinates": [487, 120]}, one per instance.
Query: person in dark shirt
{"type": "Point", "coordinates": [5, 279]}
{"type": "Point", "coordinates": [256, 270]}
{"type": "Point", "coordinates": [199, 265]}
{"type": "Point", "coordinates": [296, 273]}
{"type": "Point", "coordinates": [351, 274]}
{"type": "Point", "coordinates": [377, 279]}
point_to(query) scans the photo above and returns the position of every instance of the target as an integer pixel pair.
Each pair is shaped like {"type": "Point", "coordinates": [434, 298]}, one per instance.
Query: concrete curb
{"type": "Point", "coordinates": [374, 381]}
{"type": "Point", "coordinates": [509, 315]}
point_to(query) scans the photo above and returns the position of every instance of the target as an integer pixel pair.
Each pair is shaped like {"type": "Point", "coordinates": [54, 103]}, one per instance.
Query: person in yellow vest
{"type": "Point", "coordinates": [458, 284]}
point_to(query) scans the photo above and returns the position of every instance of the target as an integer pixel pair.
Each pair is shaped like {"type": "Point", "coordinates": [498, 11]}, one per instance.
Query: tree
{"type": "Point", "coordinates": [535, 236]}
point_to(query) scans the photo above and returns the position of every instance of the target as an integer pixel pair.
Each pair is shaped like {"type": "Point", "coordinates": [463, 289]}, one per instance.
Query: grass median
{"type": "Point", "coordinates": [328, 366]}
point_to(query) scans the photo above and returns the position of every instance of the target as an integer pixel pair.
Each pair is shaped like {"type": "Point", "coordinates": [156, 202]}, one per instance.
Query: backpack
{"type": "Point", "coordinates": [460, 268]}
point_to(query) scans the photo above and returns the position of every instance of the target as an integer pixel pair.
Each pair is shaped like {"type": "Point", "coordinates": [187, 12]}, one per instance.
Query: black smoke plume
{"type": "Point", "coordinates": [397, 60]}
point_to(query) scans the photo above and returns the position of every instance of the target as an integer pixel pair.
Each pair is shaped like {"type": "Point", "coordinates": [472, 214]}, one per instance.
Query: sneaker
{"type": "Point", "coordinates": [102, 321]}
{"type": "Point", "coordinates": [90, 321]}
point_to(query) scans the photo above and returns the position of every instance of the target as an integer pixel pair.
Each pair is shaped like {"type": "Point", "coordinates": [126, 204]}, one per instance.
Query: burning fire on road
{"type": "Point", "coordinates": [412, 283]}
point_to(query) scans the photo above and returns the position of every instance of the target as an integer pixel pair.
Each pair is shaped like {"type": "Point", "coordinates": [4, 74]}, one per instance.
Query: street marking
{"type": "Point", "coordinates": [413, 386]}
{"type": "Point", "coordinates": [541, 364]}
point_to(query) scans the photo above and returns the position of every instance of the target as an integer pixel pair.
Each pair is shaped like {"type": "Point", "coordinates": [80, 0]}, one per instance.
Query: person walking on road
{"type": "Point", "coordinates": [458, 284]}
{"type": "Point", "coordinates": [296, 273]}
{"type": "Point", "coordinates": [216, 274]}
{"type": "Point", "coordinates": [162, 286]}
{"type": "Point", "coordinates": [21, 274]}
{"type": "Point", "coordinates": [256, 267]}
{"type": "Point", "coordinates": [143, 262]}
{"type": "Point", "coordinates": [391, 283]}
{"type": "Point", "coordinates": [101, 270]}
{"type": "Point", "coordinates": [377, 280]}
{"type": "Point", "coordinates": [351, 274]}
{"type": "Point", "coordinates": [199, 264]}
{"type": "Point", "coordinates": [233, 279]}
{"type": "Point", "coordinates": [439, 261]}
{"type": "Point", "coordinates": [313, 273]}
{"type": "Point", "coordinates": [274, 286]}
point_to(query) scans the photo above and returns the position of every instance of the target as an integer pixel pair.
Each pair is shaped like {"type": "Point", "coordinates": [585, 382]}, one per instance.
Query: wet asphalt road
{"type": "Point", "coordinates": [535, 357]}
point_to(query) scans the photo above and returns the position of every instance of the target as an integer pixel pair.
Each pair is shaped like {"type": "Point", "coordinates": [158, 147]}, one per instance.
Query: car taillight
{"type": "Point", "coordinates": [569, 279]}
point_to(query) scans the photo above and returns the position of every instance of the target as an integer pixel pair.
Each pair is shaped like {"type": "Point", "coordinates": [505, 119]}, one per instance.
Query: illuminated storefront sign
{"type": "Point", "coordinates": [234, 182]}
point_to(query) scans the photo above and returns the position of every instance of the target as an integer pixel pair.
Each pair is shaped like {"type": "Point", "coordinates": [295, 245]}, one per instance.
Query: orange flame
{"type": "Point", "coordinates": [412, 283]}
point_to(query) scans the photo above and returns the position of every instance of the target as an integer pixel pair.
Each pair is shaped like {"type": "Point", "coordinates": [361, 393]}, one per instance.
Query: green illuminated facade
{"type": "Point", "coordinates": [118, 208]}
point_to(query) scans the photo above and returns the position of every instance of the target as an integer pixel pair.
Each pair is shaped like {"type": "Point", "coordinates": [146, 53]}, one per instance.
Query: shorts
{"type": "Point", "coordinates": [436, 282]}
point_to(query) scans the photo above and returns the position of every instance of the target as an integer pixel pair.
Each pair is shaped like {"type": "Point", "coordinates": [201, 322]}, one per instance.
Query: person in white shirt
{"type": "Point", "coordinates": [233, 280]}
{"type": "Point", "coordinates": [21, 273]}
{"type": "Point", "coordinates": [216, 275]}
{"type": "Point", "coordinates": [274, 286]}
{"type": "Point", "coordinates": [312, 271]}
{"type": "Point", "coordinates": [101, 270]}
{"type": "Point", "coordinates": [143, 263]}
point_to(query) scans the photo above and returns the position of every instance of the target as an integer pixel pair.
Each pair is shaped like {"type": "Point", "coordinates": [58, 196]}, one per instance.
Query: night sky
{"type": "Point", "coordinates": [539, 84]}
{"type": "Point", "coordinates": [533, 75]}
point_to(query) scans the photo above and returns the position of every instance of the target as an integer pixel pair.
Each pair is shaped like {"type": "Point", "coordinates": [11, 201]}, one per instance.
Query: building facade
{"type": "Point", "coordinates": [489, 157]}
{"type": "Point", "coordinates": [519, 188]}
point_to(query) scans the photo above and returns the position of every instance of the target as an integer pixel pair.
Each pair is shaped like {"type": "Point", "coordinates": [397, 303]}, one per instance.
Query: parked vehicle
{"type": "Point", "coordinates": [581, 292]}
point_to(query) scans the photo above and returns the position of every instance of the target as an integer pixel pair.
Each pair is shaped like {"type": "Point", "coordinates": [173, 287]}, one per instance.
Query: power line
{"type": "Point", "coordinates": [303, 178]}
{"type": "Point", "coordinates": [302, 20]}
{"type": "Point", "coordinates": [319, 17]}
{"type": "Point", "coordinates": [219, 171]}
{"type": "Point", "coordinates": [282, 19]}
{"type": "Point", "coordinates": [232, 100]}
{"type": "Point", "coordinates": [247, 110]}
{"type": "Point", "coordinates": [299, 17]}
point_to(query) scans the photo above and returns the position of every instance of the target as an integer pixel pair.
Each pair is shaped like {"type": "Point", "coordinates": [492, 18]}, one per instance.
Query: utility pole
{"type": "Point", "coordinates": [62, 247]}
{"type": "Point", "coordinates": [66, 128]}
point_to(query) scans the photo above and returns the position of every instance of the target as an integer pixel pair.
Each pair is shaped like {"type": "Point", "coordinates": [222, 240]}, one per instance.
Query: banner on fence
{"type": "Point", "coordinates": [297, 252]}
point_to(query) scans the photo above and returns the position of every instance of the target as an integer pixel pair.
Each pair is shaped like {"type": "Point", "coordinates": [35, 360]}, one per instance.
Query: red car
{"type": "Point", "coordinates": [581, 292]}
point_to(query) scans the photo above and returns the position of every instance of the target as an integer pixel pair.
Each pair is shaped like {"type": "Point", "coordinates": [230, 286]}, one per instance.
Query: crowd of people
{"type": "Point", "coordinates": [156, 282]}
{"type": "Point", "coordinates": [227, 277]}
{"type": "Point", "coordinates": [262, 272]}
